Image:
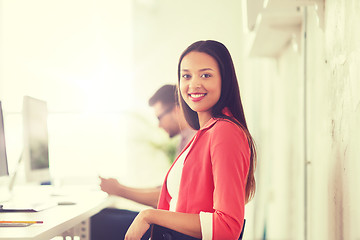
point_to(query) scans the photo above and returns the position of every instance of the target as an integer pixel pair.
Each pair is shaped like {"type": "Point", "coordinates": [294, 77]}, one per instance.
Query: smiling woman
{"type": "Point", "coordinates": [206, 189]}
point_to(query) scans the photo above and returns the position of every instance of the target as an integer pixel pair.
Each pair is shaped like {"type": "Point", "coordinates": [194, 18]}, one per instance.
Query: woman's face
{"type": "Point", "coordinates": [200, 82]}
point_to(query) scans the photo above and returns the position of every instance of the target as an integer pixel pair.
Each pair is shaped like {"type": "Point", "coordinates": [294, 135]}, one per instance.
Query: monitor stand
{"type": "Point", "coordinates": [5, 194]}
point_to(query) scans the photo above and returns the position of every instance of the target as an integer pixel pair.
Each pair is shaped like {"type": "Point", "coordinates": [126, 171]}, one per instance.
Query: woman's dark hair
{"type": "Point", "coordinates": [229, 98]}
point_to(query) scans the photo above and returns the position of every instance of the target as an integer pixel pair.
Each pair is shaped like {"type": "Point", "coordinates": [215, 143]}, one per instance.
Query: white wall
{"type": "Point", "coordinates": [334, 117]}
{"type": "Point", "coordinates": [77, 56]}
{"type": "Point", "coordinates": [332, 132]}
{"type": "Point", "coordinates": [274, 89]}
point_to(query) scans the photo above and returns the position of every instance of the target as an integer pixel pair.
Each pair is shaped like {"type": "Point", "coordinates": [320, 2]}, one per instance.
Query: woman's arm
{"type": "Point", "coordinates": [147, 196]}
{"type": "Point", "coordinates": [230, 157]}
{"type": "Point", "coordinates": [185, 223]}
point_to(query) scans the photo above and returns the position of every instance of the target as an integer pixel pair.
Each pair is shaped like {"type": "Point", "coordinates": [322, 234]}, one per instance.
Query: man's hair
{"type": "Point", "coordinates": [167, 95]}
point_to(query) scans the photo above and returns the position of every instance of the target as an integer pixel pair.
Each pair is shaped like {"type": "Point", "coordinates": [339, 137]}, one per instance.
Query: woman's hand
{"type": "Point", "coordinates": [139, 226]}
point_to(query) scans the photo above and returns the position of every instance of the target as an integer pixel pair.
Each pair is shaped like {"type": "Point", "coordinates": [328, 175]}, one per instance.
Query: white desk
{"type": "Point", "coordinates": [57, 220]}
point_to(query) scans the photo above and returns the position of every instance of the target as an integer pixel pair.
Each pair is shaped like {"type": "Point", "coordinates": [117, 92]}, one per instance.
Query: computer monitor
{"type": "Point", "coordinates": [35, 134]}
{"type": "Point", "coordinates": [4, 171]}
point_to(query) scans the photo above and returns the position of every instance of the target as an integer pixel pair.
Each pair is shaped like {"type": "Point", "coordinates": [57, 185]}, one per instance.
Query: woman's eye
{"type": "Point", "coordinates": [206, 75]}
{"type": "Point", "coordinates": [186, 76]}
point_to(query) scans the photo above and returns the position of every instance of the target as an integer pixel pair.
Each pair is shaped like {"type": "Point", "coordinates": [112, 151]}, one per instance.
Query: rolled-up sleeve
{"type": "Point", "coordinates": [206, 225]}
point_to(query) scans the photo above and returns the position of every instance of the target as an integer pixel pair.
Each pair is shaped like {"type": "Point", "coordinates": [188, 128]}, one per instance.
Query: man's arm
{"type": "Point", "coordinates": [146, 196]}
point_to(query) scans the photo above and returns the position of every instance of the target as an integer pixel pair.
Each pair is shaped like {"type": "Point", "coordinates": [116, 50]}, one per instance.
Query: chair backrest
{"type": "Point", "coordinates": [242, 231]}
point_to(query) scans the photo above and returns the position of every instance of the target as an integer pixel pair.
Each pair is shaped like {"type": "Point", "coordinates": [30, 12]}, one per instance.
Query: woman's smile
{"type": "Point", "coordinates": [196, 97]}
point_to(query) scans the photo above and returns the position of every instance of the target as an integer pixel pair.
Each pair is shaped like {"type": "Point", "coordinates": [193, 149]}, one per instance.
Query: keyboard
{"type": "Point", "coordinates": [27, 207]}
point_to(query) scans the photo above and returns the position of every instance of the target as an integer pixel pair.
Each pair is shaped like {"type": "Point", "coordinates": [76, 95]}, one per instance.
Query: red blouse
{"type": "Point", "coordinates": [214, 177]}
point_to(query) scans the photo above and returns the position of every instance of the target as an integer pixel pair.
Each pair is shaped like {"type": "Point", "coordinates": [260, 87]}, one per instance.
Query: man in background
{"type": "Point", "coordinates": [112, 223]}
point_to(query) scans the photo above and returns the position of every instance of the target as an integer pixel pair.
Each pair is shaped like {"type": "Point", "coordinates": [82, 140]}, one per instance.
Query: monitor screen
{"type": "Point", "coordinates": [4, 172]}
{"type": "Point", "coordinates": [36, 152]}
{"type": "Point", "coordinates": [3, 159]}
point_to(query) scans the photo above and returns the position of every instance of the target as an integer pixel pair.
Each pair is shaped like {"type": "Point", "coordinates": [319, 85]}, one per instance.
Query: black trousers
{"type": "Point", "coordinates": [112, 224]}
{"type": "Point", "coordinates": [162, 233]}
